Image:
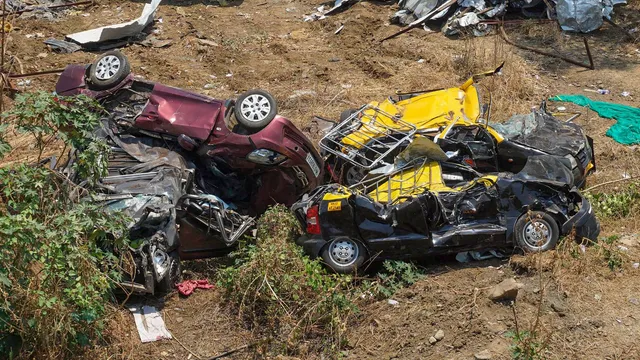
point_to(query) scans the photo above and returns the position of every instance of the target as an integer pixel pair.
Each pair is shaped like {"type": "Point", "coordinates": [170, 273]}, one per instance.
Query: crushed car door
{"type": "Point", "coordinates": [472, 212]}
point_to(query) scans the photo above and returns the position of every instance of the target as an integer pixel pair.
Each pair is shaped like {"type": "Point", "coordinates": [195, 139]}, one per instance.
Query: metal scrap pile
{"type": "Point", "coordinates": [477, 16]}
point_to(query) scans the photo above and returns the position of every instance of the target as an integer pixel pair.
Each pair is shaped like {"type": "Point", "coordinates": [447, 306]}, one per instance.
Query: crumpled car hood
{"type": "Point", "coordinates": [542, 131]}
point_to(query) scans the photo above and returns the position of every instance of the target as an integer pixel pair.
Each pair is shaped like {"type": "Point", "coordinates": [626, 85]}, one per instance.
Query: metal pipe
{"type": "Point", "coordinates": [47, 72]}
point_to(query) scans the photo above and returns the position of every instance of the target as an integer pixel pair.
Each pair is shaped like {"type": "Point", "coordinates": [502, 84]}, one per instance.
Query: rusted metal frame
{"type": "Point", "coordinates": [541, 52]}
{"type": "Point", "coordinates": [38, 73]}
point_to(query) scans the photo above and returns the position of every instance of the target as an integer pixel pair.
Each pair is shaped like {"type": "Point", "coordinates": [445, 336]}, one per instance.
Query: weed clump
{"type": "Point", "coordinates": [616, 205]}
{"type": "Point", "coordinates": [275, 287]}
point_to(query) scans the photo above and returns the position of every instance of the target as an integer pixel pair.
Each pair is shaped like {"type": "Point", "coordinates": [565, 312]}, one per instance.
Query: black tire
{"type": "Point", "coordinates": [345, 114]}
{"type": "Point", "coordinates": [341, 262]}
{"type": "Point", "coordinates": [529, 228]}
{"type": "Point", "coordinates": [108, 70]}
{"type": "Point", "coordinates": [255, 109]}
{"type": "Point", "coordinates": [169, 281]}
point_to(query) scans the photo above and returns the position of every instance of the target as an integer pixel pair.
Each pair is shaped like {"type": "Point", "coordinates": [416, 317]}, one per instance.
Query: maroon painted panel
{"type": "Point", "coordinates": [174, 111]}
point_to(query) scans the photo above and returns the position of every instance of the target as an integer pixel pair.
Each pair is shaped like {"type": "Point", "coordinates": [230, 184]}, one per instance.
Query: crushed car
{"type": "Point", "coordinates": [245, 153]}
{"type": "Point", "coordinates": [424, 207]}
{"type": "Point", "coordinates": [192, 172]}
{"type": "Point", "coordinates": [456, 119]}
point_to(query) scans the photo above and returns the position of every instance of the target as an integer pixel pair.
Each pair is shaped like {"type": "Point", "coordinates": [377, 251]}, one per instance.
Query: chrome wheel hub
{"type": "Point", "coordinates": [343, 252]}
{"type": "Point", "coordinates": [255, 107]}
{"type": "Point", "coordinates": [107, 67]}
{"type": "Point", "coordinates": [354, 175]}
{"type": "Point", "coordinates": [537, 233]}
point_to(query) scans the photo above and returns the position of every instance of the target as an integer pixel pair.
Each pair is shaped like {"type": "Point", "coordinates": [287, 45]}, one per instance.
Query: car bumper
{"type": "Point", "coordinates": [584, 222]}
{"type": "Point", "coordinates": [312, 245]}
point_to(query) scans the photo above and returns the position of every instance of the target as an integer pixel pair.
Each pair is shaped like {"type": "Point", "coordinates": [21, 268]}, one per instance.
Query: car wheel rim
{"type": "Point", "coordinates": [343, 252]}
{"type": "Point", "coordinates": [537, 234]}
{"type": "Point", "coordinates": [354, 175]}
{"type": "Point", "coordinates": [255, 107]}
{"type": "Point", "coordinates": [107, 67]}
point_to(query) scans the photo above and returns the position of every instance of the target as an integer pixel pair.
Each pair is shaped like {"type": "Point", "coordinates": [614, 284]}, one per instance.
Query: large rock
{"type": "Point", "coordinates": [506, 290]}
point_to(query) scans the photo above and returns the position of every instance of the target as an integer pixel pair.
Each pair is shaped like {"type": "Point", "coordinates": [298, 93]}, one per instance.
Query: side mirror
{"type": "Point", "coordinates": [187, 142]}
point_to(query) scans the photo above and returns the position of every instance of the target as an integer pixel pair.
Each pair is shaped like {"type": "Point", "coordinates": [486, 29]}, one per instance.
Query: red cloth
{"type": "Point", "coordinates": [187, 287]}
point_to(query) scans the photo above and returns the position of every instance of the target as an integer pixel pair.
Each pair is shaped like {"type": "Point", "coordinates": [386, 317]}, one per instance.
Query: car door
{"type": "Point", "coordinates": [472, 211]}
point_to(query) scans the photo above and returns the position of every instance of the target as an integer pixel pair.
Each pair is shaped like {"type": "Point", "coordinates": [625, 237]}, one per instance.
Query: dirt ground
{"type": "Point", "coordinates": [586, 311]}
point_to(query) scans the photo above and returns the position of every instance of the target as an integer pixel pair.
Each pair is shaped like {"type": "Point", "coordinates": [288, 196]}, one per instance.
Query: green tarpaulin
{"type": "Point", "coordinates": [627, 128]}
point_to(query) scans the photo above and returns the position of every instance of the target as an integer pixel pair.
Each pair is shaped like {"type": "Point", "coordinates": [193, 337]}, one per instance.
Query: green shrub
{"type": "Point", "coordinates": [396, 275]}
{"type": "Point", "coordinates": [275, 286]}
{"type": "Point", "coordinates": [525, 345]}
{"type": "Point", "coordinates": [618, 204]}
{"type": "Point", "coordinates": [59, 259]}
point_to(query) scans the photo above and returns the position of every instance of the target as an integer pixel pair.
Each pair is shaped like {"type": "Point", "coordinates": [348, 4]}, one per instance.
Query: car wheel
{"type": "Point", "coordinates": [255, 109]}
{"type": "Point", "coordinates": [344, 255]}
{"type": "Point", "coordinates": [536, 231]}
{"type": "Point", "coordinates": [109, 70]}
{"type": "Point", "coordinates": [169, 281]}
{"type": "Point", "coordinates": [353, 174]}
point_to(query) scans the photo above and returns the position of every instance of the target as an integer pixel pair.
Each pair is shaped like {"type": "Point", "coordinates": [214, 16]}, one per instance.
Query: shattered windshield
{"type": "Point", "coordinates": [517, 126]}
{"type": "Point", "coordinates": [540, 130]}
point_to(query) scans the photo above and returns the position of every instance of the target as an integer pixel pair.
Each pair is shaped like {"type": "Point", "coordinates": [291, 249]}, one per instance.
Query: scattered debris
{"type": "Point", "coordinates": [339, 29]}
{"type": "Point", "coordinates": [626, 93]}
{"type": "Point", "coordinates": [432, 340]}
{"type": "Point", "coordinates": [506, 290]}
{"type": "Point", "coordinates": [149, 323]}
{"type": "Point", "coordinates": [187, 287]}
{"type": "Point", "coordinates": [61, 46]}
{"type": "Point", "coordinates": [93, 37]}
{"type": "Point", "coordinates": [155, 42]}
{"type": "Point", "coordinates": [439, 335]}
{"type": "Point", "coordinates": [393, 302]}
{"type": "Point", "coordinates": [636, 265]}
{"type": "Point", "coordinates": [477, 16]}
{"type": "Point", "coordinates": [466, 256]}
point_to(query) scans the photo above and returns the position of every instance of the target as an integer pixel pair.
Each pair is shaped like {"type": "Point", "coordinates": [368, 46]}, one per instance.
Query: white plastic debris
{"type": "Point", "coordinates": [149, 323]}
{"type": "Point", "coordinates": [636, 265]}
{"type": "Point", "coordinates": [118, 31]}
{"type": "Point", "coordinates": [625, 93]}
{"type": "Point", "coordinates": [393, 302]}
{"type": "Point", "coordinates": [561, 108]}
{"type": "Point", "coordinates": [421, 61]}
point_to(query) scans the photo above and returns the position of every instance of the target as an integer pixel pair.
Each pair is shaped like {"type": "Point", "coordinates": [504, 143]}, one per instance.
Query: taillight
{"type": "Point", "coordinates": [313, 220]}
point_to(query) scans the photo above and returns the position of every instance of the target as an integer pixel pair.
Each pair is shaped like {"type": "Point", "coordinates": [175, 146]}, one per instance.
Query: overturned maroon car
{"type": "Point", "coordinates": [231, 159]}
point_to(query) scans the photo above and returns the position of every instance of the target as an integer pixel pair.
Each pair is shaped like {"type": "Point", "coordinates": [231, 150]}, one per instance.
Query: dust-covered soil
{"type": "Point", "coordinates": [578, 307]}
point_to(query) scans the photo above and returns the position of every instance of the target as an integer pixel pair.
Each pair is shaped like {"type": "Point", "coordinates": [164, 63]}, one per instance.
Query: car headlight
{"type": "Point", "coordinates": [266, 157]}
{"type": "Point", "coordinates": [572, 161]}
{"type": "Point", "coordinates": [160, 263]}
